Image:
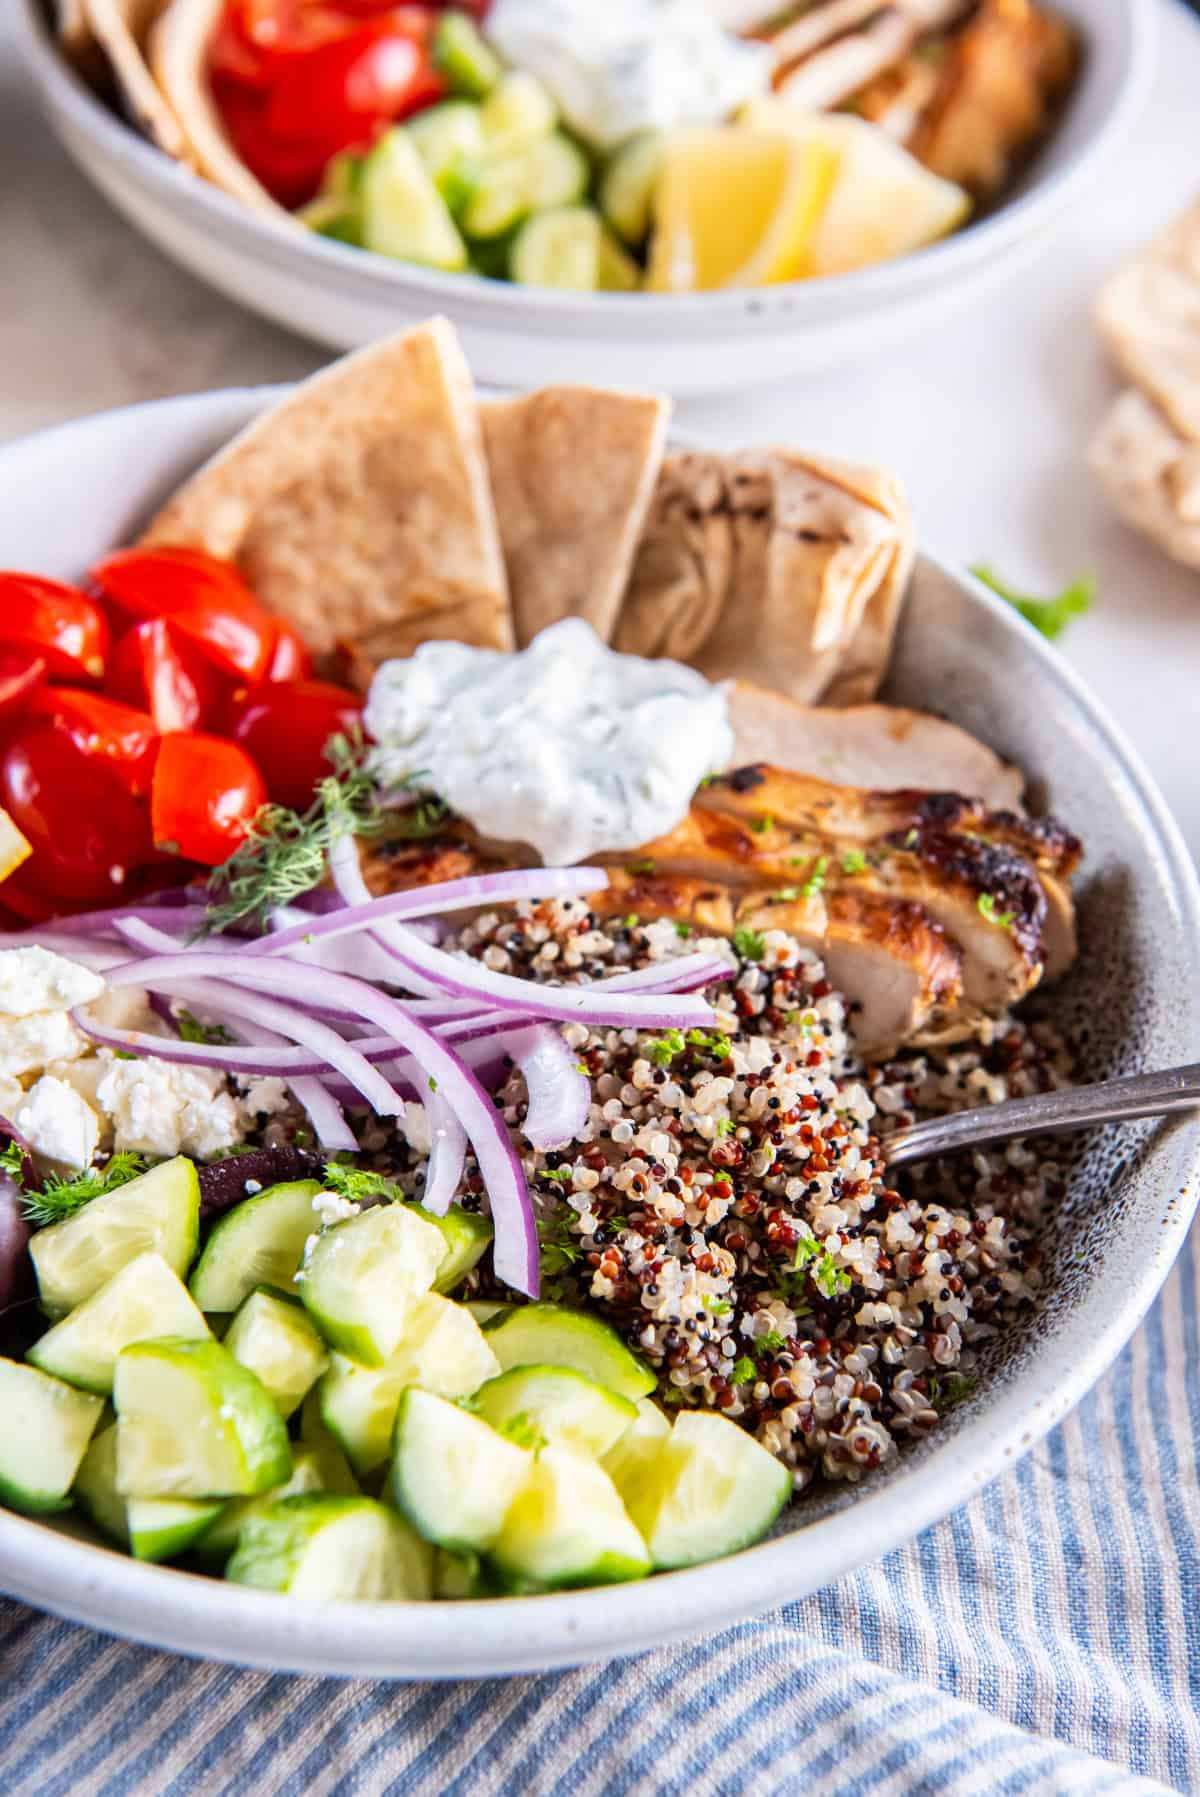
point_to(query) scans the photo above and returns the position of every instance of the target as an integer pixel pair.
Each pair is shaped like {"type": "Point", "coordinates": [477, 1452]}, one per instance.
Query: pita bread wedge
{"type": "Point", "coordinates": [178, 44]}
{"type": "Point", "coordinates": [359, 508]}
{"type": "Point", "coordinates": [121, 28]}
{"type": "Point", "coordinates": [767, 565]}
{"type": "Point", "coordinates": [1151, 473]}
{"type": "Point", "coordinates": [573, 471]}
{"type": "Point", "coordinates": [1148, 313]}
{"type": "Point", "coordinates": [864, 658]}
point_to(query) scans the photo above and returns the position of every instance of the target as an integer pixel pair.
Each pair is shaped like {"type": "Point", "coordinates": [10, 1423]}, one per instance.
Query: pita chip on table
{"type": "Point", "coordinates": [1151, 474]}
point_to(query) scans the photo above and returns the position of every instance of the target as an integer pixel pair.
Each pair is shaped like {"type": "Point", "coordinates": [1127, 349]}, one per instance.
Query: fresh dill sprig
{"type": "Point", "coordinates": [192, 1030]}
{"type": "Point", "coordinates": [12, 1161]}
{"type": "Point", "coordinates": [359, 1183]}
{"type": "Point", "coordinates": [1051, 616]}
{"type": "Point", "coordinates": [62, 1198]}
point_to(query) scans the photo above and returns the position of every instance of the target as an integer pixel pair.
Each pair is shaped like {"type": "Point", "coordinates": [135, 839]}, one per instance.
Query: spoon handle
{"type": "Point", "coordinates": [1111, 1101]}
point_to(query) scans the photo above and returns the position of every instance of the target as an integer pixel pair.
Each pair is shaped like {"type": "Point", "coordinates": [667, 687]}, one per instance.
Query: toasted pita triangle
{"type": "Point", "coordinates": [573, 472]}
{"type": "Point", "coordinates": [121, 28]}
{"type": "Point", "coordinates": [1148, 313]}
{"type": "Point", "coordinates": [359, 508]}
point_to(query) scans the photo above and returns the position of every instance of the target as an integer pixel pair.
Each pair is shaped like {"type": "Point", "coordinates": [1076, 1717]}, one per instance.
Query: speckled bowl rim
{"type": "Point", "coordinates": [194, 1615]}
{"type": "Point", "coordinates": [809, 304]}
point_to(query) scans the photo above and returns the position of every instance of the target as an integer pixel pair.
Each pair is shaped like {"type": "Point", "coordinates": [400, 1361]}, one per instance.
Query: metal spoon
{"type": "Point", "coordinates": [1111, 1101]}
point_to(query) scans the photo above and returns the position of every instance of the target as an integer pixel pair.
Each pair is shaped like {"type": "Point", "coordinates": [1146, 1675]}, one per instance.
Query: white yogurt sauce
{"type": "Point", "coordinates": [566, 745]}
{"type": "Point", "coordinates": [619, 66]}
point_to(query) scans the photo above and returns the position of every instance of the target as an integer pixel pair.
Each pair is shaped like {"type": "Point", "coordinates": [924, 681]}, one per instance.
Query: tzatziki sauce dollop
{"type": "Point", "coordinates": [566, 745]}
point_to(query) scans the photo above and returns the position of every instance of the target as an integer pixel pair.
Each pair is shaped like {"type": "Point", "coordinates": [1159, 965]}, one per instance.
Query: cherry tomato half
{"type": "Point", "coordinates": [22, 671]}
{"type": "Point", "coordinates": [291, 659]}
{"type": "Point", "coordinates": [159, 670]}
{"type": "Point", "coordinates": [125, 738]}
{"type": "Point", "coordinates": [63, 625]}
{"type": "Point", "coordinates": [205, 795]}
{"type": "Point", "coordinates": [286, 727]}
{"type": "Point", "coordinates": [88, 834]}
{"type": "Point", "coordinates": [204, 598]}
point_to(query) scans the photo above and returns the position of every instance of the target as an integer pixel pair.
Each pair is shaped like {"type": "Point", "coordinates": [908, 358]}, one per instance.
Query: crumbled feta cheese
{"type": "Point", "coordinates": [128, 1008]}
{"type": "Point", "coordinates": [11, 1095]}
{"type": "Point", "coordinates": [58, 1124]}
{"type": "Point", "coordinates": [160, 1108]}
{"type": "Point", "coordinates": [263, 1094]}
{"type": "Point", "coordinates": [332, 1208]}
{"type": "Point", "coordinates": [30, 1043]}
{"type": "Point", "coordinates": [36, 979]}
{"type": "Point", "coordinates": [415, 1126]}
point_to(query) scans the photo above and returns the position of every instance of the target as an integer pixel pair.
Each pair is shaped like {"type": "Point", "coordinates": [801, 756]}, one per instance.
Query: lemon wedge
{"type": "Point", "coordinates": [13, 847]}
{"type": "Point", "coordinates": [736, 208]}
{"type": "Point", "coordinates": [884, 203]}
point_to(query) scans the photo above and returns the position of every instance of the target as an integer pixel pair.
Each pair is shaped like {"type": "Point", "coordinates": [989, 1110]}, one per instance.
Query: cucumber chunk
{"type": "Point", "coordinates": [628, 185]}
{"type": "Point", "coordinates": [403, 214]}
{"type": "Point", "coordinates": [558, 248]}
{"type": "Point", "coordinates": [344, 1549]}
{"type": "Point", "coordinates": [360, 1278]}
{"type": "Point", "coordinates": [460, 54]}
{"type": "Point", "coordinates": [144, 1300]}
{"type": "Point", "coordinates": [260, 1242]}
{"type": "Point", "coordinates": [466, 1236]}
{"type": "Point", "coordinates": [449, 141]}
{"type": "Point", "coordinates": [95, 1488]}
{"type": "Point", "coordinates": [637, 1448]}
{"type": "Point", "coordinates": [444, 1351]}
{"type": "Point", "coordinates": [44, 1435]}
{"type": "Point", "coordinates": [710, 1489]}
{"type": "Point", "coordinates": [498, 201]}
{"type": "Point", "coordinates": [219, 1540]}
{"type": "Point", "coordinates": [552, 1335]}
{"type": "Point", "coordinates": [317, 1440]}
{"type": "Point", "coordinates": [516, 112]}
{"type": "Point", "coordinates": [275, 1339]}
{"type": "Point", "coordinates": [556, 1404]}
{"type": "Point", "coordinates": [568, 1527]}
{"type": "Point", "coordinates": [557, 172]}
{"type": "Point", "coordinates": [452, 1475]}
{"type": "Point", "coordinates": [164, 1528]}
{"type": "Point", "coordinates": [159, 1211]}
{"type": "Point", "coordinates": [487, 1310]}
{"type": "Point", "coordinates": [193, 1423]}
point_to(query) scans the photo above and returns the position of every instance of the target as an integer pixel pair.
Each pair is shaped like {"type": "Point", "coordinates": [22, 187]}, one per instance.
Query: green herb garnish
{"type": "Point", "coordinates": [946, 1392]}
{"type": "Point", "coordinates": [562, 1174]}
{"type": "Point", "coordinates": [717, 1307]}
{"type": "Point", "coordinates": [985, 904]}
{"type": "Point", "coordinates": [744, 1371]}
{"type": "Point", "coordinates": [854, 862]}
{"type": "Point", "coordinates": [1050, 616]}
{"type": "Point", "coordinates": [725, 1126]}
{"type": "Point", "coordinates": [62, 1198]}
{"type": "Point", "coordinates": [683, 931]}
{"type": "Point", "coordinates": [630, 922]}
{"type": "Point", "coordinates": [816, 879]}
{"type": "Point", "coordinates": [770, 1343]}
{"type": "Point", "coordinates": [828, 1277]}
{"type": "Point", "coordinates": [559, 1248]}
{"type": "Point", "coordinates": [760, 825]}
{"type": "Point", "coordinates": [357, 1184]}
{"type": "Point", "coordinates": [645, 866]}
{"type": "Point", "coordinates": [192, 1030]}
{"type": "Point", "coordinates": [807, 1248]}
{"type": "Point", "coordinates": [712, 1042]}
{"type": "Point", "coordinates": [663, 1049]}
{"type": "Point", "coordinates": [749, 944]}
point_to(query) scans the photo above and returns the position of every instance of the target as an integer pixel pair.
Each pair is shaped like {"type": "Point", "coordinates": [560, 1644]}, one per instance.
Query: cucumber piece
{"type": "Point", "coordinates": [317, 1440]}
{"type": "Point", "coordinates": [467, 1236]}
{"type": "Point", "coordinates": [557, 172]}
{"type": "Point", "coordinates": [144, 1300]}
{"type": "Point", "coordinates": [449, 141]}
{"type": "Point", "coordinates": [193, 1423]}
{"type": "Point", "coordinates": [95, 1488]}
{"type": "Point", "coordinates": [219, 1540]}
{"type": "Point", "coordinates": [516, 112]}
{"type": "Point", "coordinates": [337, 209]}
{"type": "Point", "coordinates": [568, 1527]}
{"type": "Point", "coordinates": [164, 1528]}
{"type": "Point", "coordinates": [344, 1549]}
{"type": "Point", "coordinates": [260, 1242]}
{"type": "Point", "coordinates": [46, 1429]}
{"type": "Point", "coordinates": [552, 1335]}
{"type": "Point", "coordinates": [709, 1490]}
{"type": "Point", "coordinates": [403, 214]}
{"type": "Point", "coordinates": [559, 248]}
{"type": "Point", "coordinates": [159, 1210]}
{"type": "Point", "coordinates": [487, 1310]}
{"type": "Point", "coordinates": [628, 185]}
{"type": "Point", "coordinates": [637, 1448]}
{"type": "Point", "coordinates": [452, 1475]}
{"type": "Point", "coordinates": [444, 1351]}
{"type": "Point", "coordinates": [468, 64]}
{"type": "Point", "coordinates": [275, 1338]}
{"type": "Point", "coordinates": [360, 1278]}
{"type": "Point", "coordinates": [556, 1404]}
{"type": "Point", "coordinates": [498, 201]}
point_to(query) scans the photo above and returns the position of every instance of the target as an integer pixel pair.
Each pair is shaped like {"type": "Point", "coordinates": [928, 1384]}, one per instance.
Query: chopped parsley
{"type": "Point", "coordinates": [760, 825]}
{"type": "Point", "coordinates": [559, 1248]}
{"type": "Point", "coordinates": [946, 1392]}
{"type": "Point", "coordinates": [717, 1307]}
{"type": "Point", "coordinates": [854, 862]}
{"type": "Point", "coordinates": [683, 930]}
{"type": "Point", "coordinates": [1050, 616]}
{"type": "Point", "coordinates": [432, 1083]}
{"type": "Point", "coordinates": [749, 944]}
{"type": "Point", "coordinates": [663, 1049]}
{"type": "Point", "coordinates": [985, 904]}
{"type": "Point", "coordinates": [561, 1174]}
{"type": "Point", "coordinates": [630, 922]}
{"type": "Point", "coordinates": [644, 866]}
{"type": "Point", "coordinates": [61, 1198]}
{"type": "Point", "coordinates": [770, 1343]}
{"type": "Point", "coordinates": [816, 879]}
{"type": "Point", "coordinates": [744, 1371]}
{"type": "Point", "coordinates": [807, 1248]}
{"type": "Point", "coordinates": [357, 1184]}
{"type": "Point", "coordinates": [725, 1126]}
{"type": "Point", "coordinates": [828, 1277]}
{"type": "Point", "coordinates": [192, 1030]}
{"type": "Point", "coordinates": [712, 1042]}
{"type": "Point", "coordinates": [785, 895]}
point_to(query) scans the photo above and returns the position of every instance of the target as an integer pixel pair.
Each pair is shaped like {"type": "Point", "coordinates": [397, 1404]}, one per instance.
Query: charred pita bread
{"type": "Point", "coordinates": [121, 28]}
{"type": "Point", "coordinates": [1151, 473]}
{"type": "Point", "coordinates": [359, 508]}
{"type": "Point", "coordinates": [573, 471]}
{"type": "Point", "coordinates": [865, 656]}
{"type": "Point", "coordinates": [1148, 313]}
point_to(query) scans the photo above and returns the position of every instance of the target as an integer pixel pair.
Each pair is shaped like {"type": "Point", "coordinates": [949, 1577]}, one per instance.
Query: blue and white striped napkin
{"type": "Point", "coordinates": [1044, 1639]}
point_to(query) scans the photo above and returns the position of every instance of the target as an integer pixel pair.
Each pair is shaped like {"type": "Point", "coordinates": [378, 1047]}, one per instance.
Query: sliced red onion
{"type": "Point", "coordinates": [559, 1093]}
{"type": "Point", "coordinates": [325, 1114]}
{"type": "Point", "coordinates": [15, 1232]}
{"type": "Point", "coordinates": [447, 1153]}
{"type": "Point", "coordinates": [97, 955]}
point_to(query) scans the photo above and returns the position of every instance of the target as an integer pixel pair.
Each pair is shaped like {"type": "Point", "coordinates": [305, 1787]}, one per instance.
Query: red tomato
{"type": "Point", "coordinates": [205, 598]}
{"type": "Point", "coordinates": [64, 626]}
{"type": "Point", "coordinates": [22, 671]}
{"type": "Point", "coordinates": [291, 660]}
{"type": "Point", "coordinates": [87, 832]}
{"type": "Point", "coordinates": [125, 738]}
{"type": "Point", "coordinates": [205, 796]}
{"type": "Point", "coordinates": [286, 727]}
{"type": "Point", "coordinates": [158, 670]}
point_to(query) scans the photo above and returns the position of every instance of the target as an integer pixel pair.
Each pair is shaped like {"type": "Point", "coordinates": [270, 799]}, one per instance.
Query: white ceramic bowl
{"type": "Point", "coordinates": [522, 336]}
{"type": "Point", "coordinates": [1134, 1000]}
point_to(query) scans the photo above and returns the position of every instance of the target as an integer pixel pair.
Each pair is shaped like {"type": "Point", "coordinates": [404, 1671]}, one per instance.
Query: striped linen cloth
{"type": "Point", "coordinates": [1044, 1639]}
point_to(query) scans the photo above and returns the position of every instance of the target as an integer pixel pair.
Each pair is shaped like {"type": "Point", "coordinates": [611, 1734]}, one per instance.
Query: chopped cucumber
{"type": "Point", "coordinates": [46, 1429]}
{"type": "Point", "coordinates": [158, 1210]}
{"type": "Point", "coordinates": [559, 248]}
{"type": "Point", "coordinates": [449, 141]}
{"type": "Point", "coordinates": [276, 1339]}
{"type": "Point", "coordinates": [461, 55]}
{"type": "Point", "coordinates": [498, 201]}
{"type": "Point", "coordinates": [556, 1404]}
{"type": "Point", "coordinates": [567, 1527]}
{"type": "Point", "coordinates": [337, 209]}
{"type": "Point", "coordinates": [709, 1490]}
{"type": "Point", "coordinates": [552, 1335]}
{"type": "Point", "coordinates": [219, 1540]}
{"type": "Point", "coordinates": [95, 1488]}
{"type": "Point", "coordinates": [466, 1234]}
{"type": "Point", "coordinates": [163, 1528]}
{"type": "Point", "coordinates": [557, 172]}
{"type": "Point", "coordinates": [260, 1242]}
{"type": "Point", "coordinates": [193, 1423]}
{"type": "Point", "coordinates": [444, 1351]}
{"type": "Point", "coordinates": [486, 1310]}
{"type": "Point", "coordinates": [144, 1300]}
{"type": "Point", "coordinates": [332, 1464]}
{"type": "Point", "coordinates": [628, 185]}
{"type": "Point", "coordinates": [344, 1549]}
{"type": "Point", "coordinates": [403, 214]}
{"type": "Point", "coordinates": [637, 1448]}
{"type": "Point", "coordinates": [360, 1278]}
{"type": "Point", "coordinates": [516, 111]}
{"type": "Point", "coordinates": [452, 1475]}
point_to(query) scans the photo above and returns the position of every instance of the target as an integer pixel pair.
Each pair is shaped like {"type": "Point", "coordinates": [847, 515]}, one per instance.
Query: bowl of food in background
{"type": "Point", "coordinates": [643, 184]}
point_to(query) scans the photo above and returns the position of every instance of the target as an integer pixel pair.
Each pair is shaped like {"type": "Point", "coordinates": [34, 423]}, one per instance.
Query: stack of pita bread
{"type": "Point", "coordinates": [382, 505]}
{"type": "Point", "coordinates": [1147, 451]}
